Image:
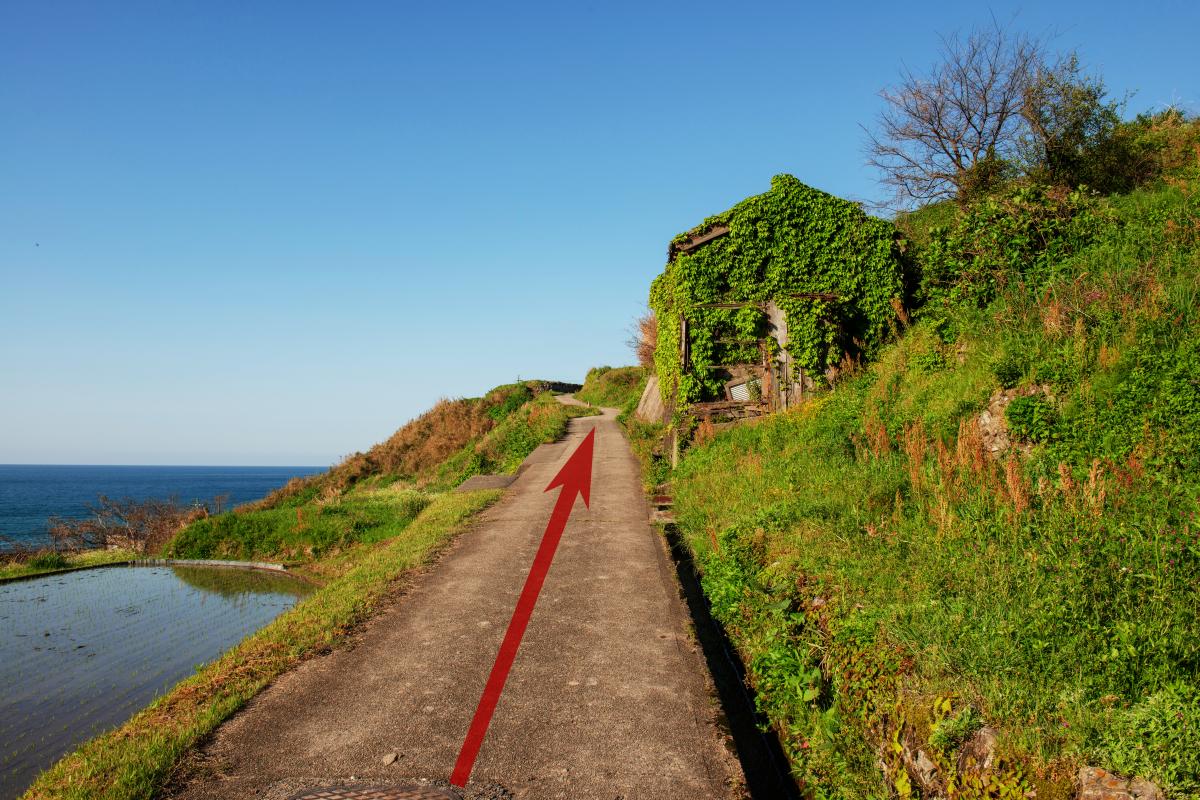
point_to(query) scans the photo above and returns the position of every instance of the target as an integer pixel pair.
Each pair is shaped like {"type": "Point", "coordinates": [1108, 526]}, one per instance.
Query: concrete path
{"type": "Point", "coordinates": [608, 697]}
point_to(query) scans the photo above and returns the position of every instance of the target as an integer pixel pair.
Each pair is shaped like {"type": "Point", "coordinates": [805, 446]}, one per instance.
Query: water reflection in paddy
{"type": "Point", "coordinates": [83, 651]}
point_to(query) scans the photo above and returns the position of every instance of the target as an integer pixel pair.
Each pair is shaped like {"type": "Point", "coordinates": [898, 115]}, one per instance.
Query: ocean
{"type": "Point", "coordinates": [30, 494]}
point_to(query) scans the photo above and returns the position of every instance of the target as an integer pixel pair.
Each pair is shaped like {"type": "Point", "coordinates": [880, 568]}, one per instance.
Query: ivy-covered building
{"type": "Point", "coordinates": [765, 300]}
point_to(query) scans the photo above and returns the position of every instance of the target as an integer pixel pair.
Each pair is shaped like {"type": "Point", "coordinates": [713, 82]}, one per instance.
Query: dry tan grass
{"type": "Point", "coordinates": [644, 339]}
{"type": "Point", "coordinates": [431, 438]}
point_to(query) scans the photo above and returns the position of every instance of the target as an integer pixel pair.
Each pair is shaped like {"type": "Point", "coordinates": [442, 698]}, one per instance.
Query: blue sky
{"type": "Point", "coordinates": [270, 233]}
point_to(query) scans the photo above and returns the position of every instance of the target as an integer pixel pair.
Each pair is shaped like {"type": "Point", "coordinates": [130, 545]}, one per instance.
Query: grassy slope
{"type": "Point", "coordinates": [884, 578]}
{"type": "Point", "coordinates": [52, 562]}
{"type": "Point", "coordinates": [417, 449]}
{"type": "Point", "coordinates": [503, 448]}
{"type": "Point", "coordinates": [302, 533]}
{"type": "Point", "coordinates": [613, 387]}
{"type": "Point", "coordinates": [134, 760]}
{"type": "Point", "coordinates": [333, 513]}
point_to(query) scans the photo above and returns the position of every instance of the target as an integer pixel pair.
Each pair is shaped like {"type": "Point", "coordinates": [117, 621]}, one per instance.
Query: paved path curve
{"type": "Point", "coordinates": [608, 697]}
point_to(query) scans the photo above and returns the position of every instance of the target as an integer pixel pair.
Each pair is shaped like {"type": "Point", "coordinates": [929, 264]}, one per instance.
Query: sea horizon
{"type": "Point", "coordinates": [30, 494]}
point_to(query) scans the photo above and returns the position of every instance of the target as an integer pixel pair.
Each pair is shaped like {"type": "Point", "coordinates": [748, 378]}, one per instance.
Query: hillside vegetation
{"type": "Point", "coordinates": [373, 496]}
{"type": "Point", "coordinates": [613, 387]}
{"type": "Point", "coordinates": [994, 523]}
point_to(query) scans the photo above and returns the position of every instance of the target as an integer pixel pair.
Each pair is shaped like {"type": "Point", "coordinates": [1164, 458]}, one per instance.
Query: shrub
{"type": "Point", "coordinates": [1009, 370]}
{"type": "Point", "coordinates": [1159, 739]}
{"type": "Point", "coordinates": [1031, 419]}
{"type": "Point", "coordinates": [48, 559]}
{"type": "Point", "coordinates": [1022, 237]}
{"type": "Point", "coordinates": [643, 340]}
{"type": "Point", "coordinates": [929, 361]}
{"type": "Point", "coordinates": [141, 525]}
{"type": "Point", "coordinates": [950, 732]}
{"type": "Point", "coordinates": [1074, 137]}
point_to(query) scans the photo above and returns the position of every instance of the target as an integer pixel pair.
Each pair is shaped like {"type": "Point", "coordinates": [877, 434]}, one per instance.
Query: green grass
{"type": "Point", "coordinates": [49, 561]}
{"type": "Point", "coordinates": [502, 449]}
{"type": "Point", "coordinates": [301, 533]}
{"type": "Point", "coordinates": [883, 577]}
{"type": "Point", "coordinates": [133, 761]}
{"type": "Point", "coordinates": [313, 525]}
{"type": "Point", "coordinates": [916, 225]}
{"type": "Point", "coordinates": [647, 440]}
{"type": "Point", "coordinates": [613, 387]}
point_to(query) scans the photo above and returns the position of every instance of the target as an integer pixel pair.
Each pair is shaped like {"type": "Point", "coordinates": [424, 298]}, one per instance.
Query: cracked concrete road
{"type": "Point", "coordinates": [608, 698]}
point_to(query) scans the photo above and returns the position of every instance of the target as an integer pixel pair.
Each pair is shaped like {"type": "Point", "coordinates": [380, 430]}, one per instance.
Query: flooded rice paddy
{"type": "Point", "coordinates": [82, 652]}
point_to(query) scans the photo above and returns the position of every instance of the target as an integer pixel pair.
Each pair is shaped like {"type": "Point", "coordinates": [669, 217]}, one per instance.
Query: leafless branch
{"type": "Point", "coordinates": [141, 525]}
{"type": "Point", "coordinates": [934, 130]}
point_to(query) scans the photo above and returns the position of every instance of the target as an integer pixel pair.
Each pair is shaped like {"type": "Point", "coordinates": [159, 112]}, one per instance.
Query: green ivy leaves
{"type": "Point", "coordinates": [790, 240]}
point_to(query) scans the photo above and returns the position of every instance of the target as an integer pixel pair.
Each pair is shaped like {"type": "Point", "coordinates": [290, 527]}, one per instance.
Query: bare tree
{"type": "Point", "coordinates": [957, 130]}
{"type": "Point", "coordinates": [643, 338]}
{"type": "Point", "coordinates": [141, 525]}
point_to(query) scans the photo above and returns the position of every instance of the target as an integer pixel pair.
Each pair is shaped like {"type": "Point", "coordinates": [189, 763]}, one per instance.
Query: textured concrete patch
{"type": "Point", "coordinates": [477, 482]}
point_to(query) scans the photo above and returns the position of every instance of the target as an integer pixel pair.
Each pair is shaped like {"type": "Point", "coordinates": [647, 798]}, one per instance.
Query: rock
{"type": "Point", "coordinates": [979, 752]}
{"type": "Point", "coordinates": [924, 770]}
{"type": "Point", "coordinates": [1099, 784]}
{"type": "Point", "coordinates": [390, 759]}
{"type": "Point", "coordinates": [992, 427]}
{"type": "Point", "coordinates": [991, 423]}
{"type": "Point", "coordinates": [1142, 789]}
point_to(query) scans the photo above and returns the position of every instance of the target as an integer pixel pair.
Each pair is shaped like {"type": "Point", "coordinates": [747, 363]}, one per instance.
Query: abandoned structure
{"type": "Point", "coordinates": [763, 303]}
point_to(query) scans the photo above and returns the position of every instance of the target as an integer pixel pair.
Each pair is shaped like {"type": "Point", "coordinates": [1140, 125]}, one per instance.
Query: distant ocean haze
{"type": "Point", "coordinates": [32, 493]}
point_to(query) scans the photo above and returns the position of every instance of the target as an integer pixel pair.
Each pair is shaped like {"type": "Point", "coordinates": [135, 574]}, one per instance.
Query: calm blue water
{"type": "Point", "coordinates": [31, 494]}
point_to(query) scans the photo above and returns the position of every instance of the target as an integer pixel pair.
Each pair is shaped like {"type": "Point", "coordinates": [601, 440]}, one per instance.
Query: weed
{"type": "Point", "coordinates": [47, 559]}
{"type": "Point", "coordinates": [1031, 419]}
{"type": "Point", "coordinates": [1159, 738]}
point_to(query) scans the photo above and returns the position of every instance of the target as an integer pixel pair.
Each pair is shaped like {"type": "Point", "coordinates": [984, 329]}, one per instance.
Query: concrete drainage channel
{"type": "Point", "coordinates": [758, 748]}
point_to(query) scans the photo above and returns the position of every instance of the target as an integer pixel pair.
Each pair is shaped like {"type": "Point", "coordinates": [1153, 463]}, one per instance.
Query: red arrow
{"type": "Point", "coordinates": [575, 477]}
